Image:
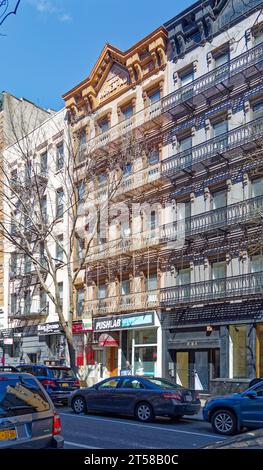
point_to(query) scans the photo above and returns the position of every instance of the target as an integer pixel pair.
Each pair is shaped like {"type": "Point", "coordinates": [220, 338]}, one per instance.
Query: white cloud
{"type": "Point", "coordinates": [50, 7]}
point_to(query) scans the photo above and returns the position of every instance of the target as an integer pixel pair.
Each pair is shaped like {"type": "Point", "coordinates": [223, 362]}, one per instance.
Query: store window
{"type": "Point", "coordinates": [142, 351]}
{"type": "Point", "coordinates": [238, 351]}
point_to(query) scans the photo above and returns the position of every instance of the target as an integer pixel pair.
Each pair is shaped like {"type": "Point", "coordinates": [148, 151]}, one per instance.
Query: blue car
{"type": "Point", "coordinates": [230, 413]}
{"type": "Point", "coordinates": [58, 381]}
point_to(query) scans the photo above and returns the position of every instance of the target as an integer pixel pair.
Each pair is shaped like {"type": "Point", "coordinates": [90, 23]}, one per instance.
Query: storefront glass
{"type": "Point", "coordinates": [238, 350]}
{"type": "Point", "coordinates": [142, 351]}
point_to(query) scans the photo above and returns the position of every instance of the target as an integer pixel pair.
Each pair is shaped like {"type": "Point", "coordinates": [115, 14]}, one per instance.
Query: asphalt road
{"type": "Point", "coordinates": [110, 432]}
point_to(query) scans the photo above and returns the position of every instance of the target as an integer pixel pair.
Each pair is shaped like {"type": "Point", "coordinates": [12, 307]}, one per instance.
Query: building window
{"type": "Point", "coordinates": [80, 247]}
{"type": "Point", "coordinates": [80, 302]}
{"type": "Point", "coordinates": [59, 249]}
{"type": "Point", "coordinates": [256, 264]}
{"type": "Point", "coordinates": [60, 156]}
{"type": "Point", "coordinates": [154, 96]}
{"type": "Point", "coordinates": [258, 35]}
{"type": "Point", "coordinates": [101, 291]}
{"type": "Point", "coordinates": [82, 143]}
{"type": "Point", "coordinates": [43, 300]}
{"type": "Point", "coordinates": [125, 287]}
{"type": "Point", "coordinates": [238, 351]}
{"type": "Point", "coordinates": [257, 109]}
{"type": "Point", "coordinates": [103, 125]}
{"type": "Point", "coordinates": [220, 127]}
{"type": "Point", "coordinates": [27, 264]}
{"type": "Point", "coordinates": [60, 289]}
{"type": "Point", "coordinates": [127, 169]}
{"type": "Point", "coordinates": [13, 303]}
{"type": "Point", "coordinates": [153, 157]}
{"type": "Point", "coordinates": [81, 192]}
{"type": "Point", "coordinates": [127, 112]}
{"type": "Point", "coordinates": [59, 203]}
{"type": "Point", "coordinates": [257, 187]}
{"type": "Point", "coordinates": [102, 179]}
{"type": "Point", "coordinates": [13, 180]}
{"type": "Point", "coordinates": [13, 264]}
{"type": "Point", "coordinates": [186, 77]}
{"type": "Point", "coordinates": [185, 143]}
{"type": "Point", "coordinates": [43, 164]}
{"type": "Point", "coordinates": [43, 208]}
{"type": "Point", "coordinates": [219, 199]}
{"type": "Point", "coordinates": [221, 58]}
{"type": "Point", "coordinates": [151, 282]}
{"type": "Point", "coordinates": [27, 302]}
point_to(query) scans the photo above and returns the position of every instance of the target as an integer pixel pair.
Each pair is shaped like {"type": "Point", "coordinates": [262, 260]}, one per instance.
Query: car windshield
{"type": "Point", "coordinates": [163, 383]}
{"type": "Point", "coordinates": [62, 373]}
{"type": "Point", "coordinates": [20, 395]}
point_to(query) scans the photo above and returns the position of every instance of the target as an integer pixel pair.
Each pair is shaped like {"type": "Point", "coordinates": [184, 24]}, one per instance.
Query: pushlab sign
{"type": "Point", "coordinates": [124, 322]}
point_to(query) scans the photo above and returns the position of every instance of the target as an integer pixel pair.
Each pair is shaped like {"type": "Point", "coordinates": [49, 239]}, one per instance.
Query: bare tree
{"type": "Point", "coordinates": [38, 195]}
{"type": "Point", "coordinates": [7, 8]}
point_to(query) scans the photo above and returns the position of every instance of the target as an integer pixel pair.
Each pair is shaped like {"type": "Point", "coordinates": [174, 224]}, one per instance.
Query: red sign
{"type": "Point", "coordinates": [77, 328]}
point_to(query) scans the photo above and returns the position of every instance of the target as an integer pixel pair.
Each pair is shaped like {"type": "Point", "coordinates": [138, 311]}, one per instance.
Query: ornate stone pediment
{"type": "Point", "coordinates": [117, 79]}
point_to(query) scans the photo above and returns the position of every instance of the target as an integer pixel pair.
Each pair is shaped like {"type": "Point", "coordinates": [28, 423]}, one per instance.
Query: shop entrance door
{"type": "Point", "coordinates": [112, 361]}
{"type": "Point", "coordinates": [194, 368]}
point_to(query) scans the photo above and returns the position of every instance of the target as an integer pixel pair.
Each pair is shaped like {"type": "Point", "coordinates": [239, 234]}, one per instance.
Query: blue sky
{"type": "Point", "coordinates": [51, 45]}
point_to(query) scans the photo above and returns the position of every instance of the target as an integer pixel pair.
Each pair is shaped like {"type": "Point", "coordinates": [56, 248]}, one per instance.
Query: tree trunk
{"type": "Point", "coordinates": [72, 356]}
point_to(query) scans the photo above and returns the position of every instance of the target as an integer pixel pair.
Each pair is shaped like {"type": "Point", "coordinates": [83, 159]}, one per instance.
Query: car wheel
{"type": "Point", "coordinates": [224, 422]}
{"type": "Point", "coordinates": [79, 405]}
{"type": "Point", "coordinates": [144, 412]}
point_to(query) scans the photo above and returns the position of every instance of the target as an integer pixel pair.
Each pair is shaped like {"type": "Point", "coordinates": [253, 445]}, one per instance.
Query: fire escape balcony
{"type": "Point", "coordinates": [125, 245]}
{"type": "Point", "coordinates": [248, 212]}
{"type": "Point", "coordinates": [225, 289]}
{"type": "Point", "coordinates": [236, 72]}
{"type": "Point", "coordinates": [240, 140]}
{"type": "Point", "coordinates": [124, 303]}
{"type": "Point", "coordinates": [140, 181]}
{"type": "Point", "coordinates": [124, 132]}
{"type": "Point", "coordinates": [30, 311]}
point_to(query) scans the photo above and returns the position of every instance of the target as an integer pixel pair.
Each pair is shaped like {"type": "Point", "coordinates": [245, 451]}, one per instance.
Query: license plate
{"type": "Point", "coordinates": [7, 434]}
{"type": "Point", "coordinates": [188, 398]}
{"type": "Point", "coordinates": [65, 385]}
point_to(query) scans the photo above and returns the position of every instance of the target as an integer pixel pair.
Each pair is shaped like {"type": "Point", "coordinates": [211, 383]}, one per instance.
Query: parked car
{"type": "Point", "coordinates": [58, 381]}
{"type": "Point", "coordinates": [137, 396]}
{"type": "Point", "coordinates": [8, 369]}
{"type": "Point", "coordinates": [230, 413]}
{"type": "Point", "coordinates": [27, 415]}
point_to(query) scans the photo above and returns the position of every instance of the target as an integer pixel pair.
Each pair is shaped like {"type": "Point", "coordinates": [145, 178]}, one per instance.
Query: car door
{"type": "Point", "coordinates": [252, 408]}
{"type": "Point", "coordinates": [129, 390]}
{"type": "Point", "coordinates": [102, 397]}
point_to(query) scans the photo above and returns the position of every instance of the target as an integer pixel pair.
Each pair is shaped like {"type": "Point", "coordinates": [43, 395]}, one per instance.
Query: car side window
{"type": "Point", "coordinates": [259, 391]}
{"type": "Point", "coordinates": [109, 384]}
{"type": "Point", "coordinates": [26, 369]}
{"type": "Point", "coordinates": [132, 383]}
{"type": "Point", "coordinates": [40, 371]}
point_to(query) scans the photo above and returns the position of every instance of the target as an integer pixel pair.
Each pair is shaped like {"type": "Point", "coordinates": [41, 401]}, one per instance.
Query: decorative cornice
{"type": "Point", "coordinates": [116, 71]}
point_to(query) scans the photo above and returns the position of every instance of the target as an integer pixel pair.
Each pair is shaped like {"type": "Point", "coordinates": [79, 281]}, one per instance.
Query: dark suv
{"type": "Point", "coordinates": [28, 419]}
{"type": "Point", "coordinates": [58, 381]}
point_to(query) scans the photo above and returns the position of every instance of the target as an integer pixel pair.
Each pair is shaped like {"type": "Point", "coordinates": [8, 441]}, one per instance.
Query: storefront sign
{"type": "Point", "coordinates": [8, 341]}
{"type": "Point", "coordinates": [49, 329]}
{"type": "Point", "coordinates": [121, 322]}
{"type": "Point", "coordinates": [82, 327]}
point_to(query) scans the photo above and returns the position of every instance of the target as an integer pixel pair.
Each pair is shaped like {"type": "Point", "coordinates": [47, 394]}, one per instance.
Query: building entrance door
{"type": "Point", "coordinates": [112, 361]}
{"type": "Point", "coordinates": [194, 368]}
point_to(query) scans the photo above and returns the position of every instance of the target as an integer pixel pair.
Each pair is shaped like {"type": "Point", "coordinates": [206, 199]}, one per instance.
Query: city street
{"type": "Point", "coordinates": [111, 432]}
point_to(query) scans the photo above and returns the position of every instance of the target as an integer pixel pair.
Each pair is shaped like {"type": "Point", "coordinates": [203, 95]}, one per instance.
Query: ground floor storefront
{"type": "Point", "coordinates": [208, 347]}
{"type": "Point", "coordinates": [121, 344]}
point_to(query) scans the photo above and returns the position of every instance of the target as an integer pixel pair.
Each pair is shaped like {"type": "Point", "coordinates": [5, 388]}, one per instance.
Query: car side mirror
{"type": "Point", "coordinates": [251, 394]}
